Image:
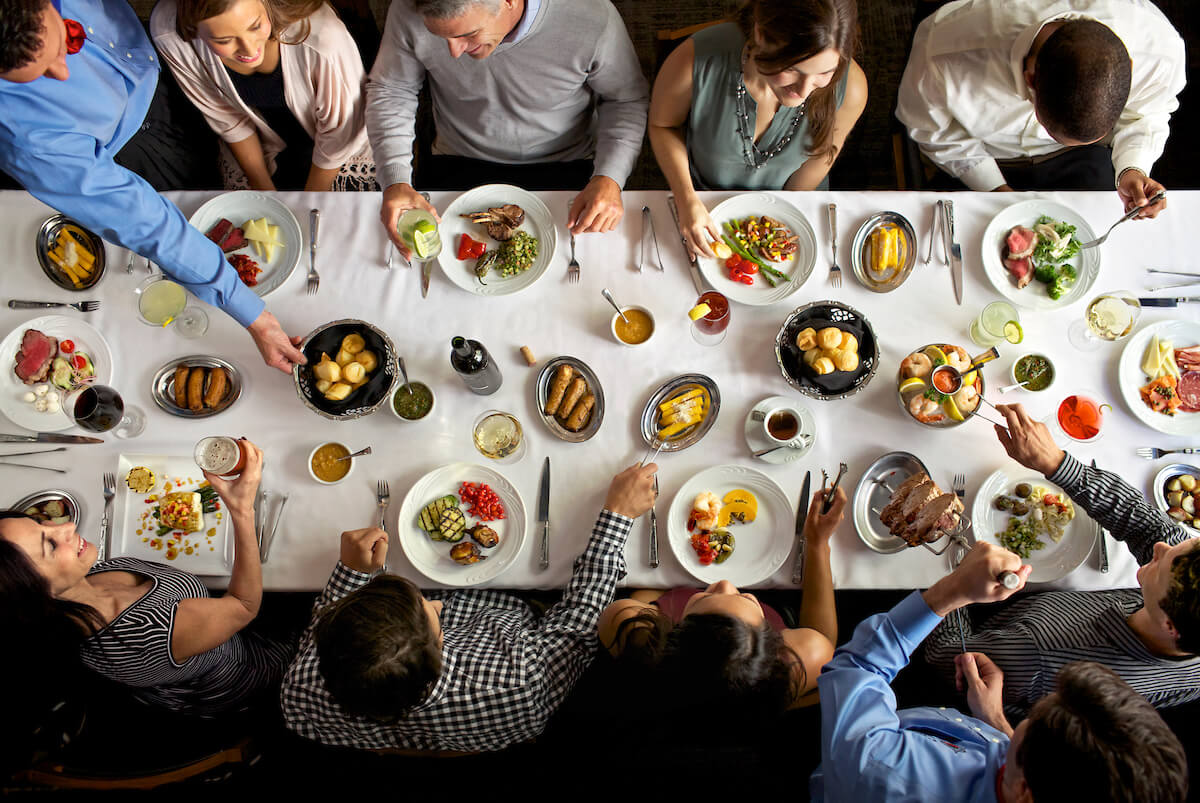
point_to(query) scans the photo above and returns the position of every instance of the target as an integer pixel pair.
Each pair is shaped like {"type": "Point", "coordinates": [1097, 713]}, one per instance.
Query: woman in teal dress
{"type": "Point", "coordinates": [764, 102]}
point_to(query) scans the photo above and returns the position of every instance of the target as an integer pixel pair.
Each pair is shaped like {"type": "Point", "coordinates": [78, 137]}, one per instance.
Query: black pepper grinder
{"type": "Point", "coordinates": [475, 365]}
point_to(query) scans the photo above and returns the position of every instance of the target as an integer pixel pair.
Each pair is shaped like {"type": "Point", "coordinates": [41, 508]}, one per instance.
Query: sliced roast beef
{"type": "Point", "coordinates": [892, 509]}
{"type": "Point", "coordinates": [219, 231]}
{"type": "Point", "coordinates": [1020, 242]}
{"type": "Point", "coordinates": [226, 235]}
{"type": "Point", "coordinates": [1021, 271]}
{"type": "Point", "coordinates": [935, 519]}
{"type": "Point", "coordinates": [37, 352]}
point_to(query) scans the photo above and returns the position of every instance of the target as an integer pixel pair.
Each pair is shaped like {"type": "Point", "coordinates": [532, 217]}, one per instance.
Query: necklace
{"type": "Point", "coordinates": [755, 156]}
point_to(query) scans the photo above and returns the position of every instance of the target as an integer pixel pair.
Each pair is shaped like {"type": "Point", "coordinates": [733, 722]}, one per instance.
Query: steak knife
{"type": "Point", "coordinates": [1168, 302]}
{"type": "Point", "coordinates": [544, 517]}
{"type": "Point", "coordinates": [654, 529]}
{"type": "Point", "coordinates": [692, 265]}
{"type": "Point", "coordinates": [954, 250]}
{"type": "Point", "coordinates": [801, 518]}
{"type": "Point", "coordinates": [48, 437]}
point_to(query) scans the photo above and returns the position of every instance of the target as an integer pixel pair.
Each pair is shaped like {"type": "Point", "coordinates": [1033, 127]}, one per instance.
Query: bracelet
{"type": "Point", "coordinates": [1126, 170]}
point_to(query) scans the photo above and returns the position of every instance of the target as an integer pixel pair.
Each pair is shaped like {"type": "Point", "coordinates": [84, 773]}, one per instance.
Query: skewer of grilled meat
{"type": "Point", "coordinates": [935, 519]}
{"type": "Point", "coordinates": [919, 512]}
{"type": "Point", "coordinates": [501, 221]}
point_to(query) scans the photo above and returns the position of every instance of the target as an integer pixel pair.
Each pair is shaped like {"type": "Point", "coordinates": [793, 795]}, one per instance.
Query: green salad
{"type": "Point", "coordinates": [1056, 244]}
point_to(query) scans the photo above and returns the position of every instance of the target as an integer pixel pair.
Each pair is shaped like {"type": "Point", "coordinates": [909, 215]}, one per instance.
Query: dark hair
{"type": "Point", "coordinates": [641, 639]}
{"type": "Point", "coordinates": [1095, 738]}
{"type": "Point", "coordinates": [376, 650]}
{"type": "Point", "coordinates": [1182, 602]}
{"type": "Point", "coordinates": [1081, 81]}
{"type": "Point", "coordinates": [791, 31]}
{"type": "Point", "coordinates": [21, 32]}
{"type": "Point", "coordinates": [734, 670]}
{"type": "Point", "coordinates": [282, 13]}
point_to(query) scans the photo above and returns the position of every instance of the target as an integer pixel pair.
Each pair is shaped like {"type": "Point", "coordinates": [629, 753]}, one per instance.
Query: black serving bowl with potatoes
{"type": "Point", "coordinates": [837, 384]}
{"type": "Point", "coordinates": [365, 399]}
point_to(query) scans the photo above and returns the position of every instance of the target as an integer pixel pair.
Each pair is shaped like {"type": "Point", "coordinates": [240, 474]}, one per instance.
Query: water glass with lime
{"type": "Point", "coordinates": [419, 231]}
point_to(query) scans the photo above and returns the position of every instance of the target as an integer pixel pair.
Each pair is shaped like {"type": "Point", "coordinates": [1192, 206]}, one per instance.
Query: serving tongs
{"type": "Point", "coordinates": [648, 232]}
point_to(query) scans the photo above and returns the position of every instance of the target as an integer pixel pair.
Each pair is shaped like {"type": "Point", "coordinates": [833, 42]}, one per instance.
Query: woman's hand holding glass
{"type": "Point", "coordinates": [238, 493]}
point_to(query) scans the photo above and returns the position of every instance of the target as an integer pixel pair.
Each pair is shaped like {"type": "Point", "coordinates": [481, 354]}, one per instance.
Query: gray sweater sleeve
{"type": "Point", "coordinates": [623, 99]}
{"type": "Point", "coordinates": [1118, 507]}
{"type": "Point", "coordinates": [392, 90]}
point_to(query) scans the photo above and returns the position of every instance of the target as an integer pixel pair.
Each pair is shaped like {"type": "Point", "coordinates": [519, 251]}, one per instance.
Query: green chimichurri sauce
{"type": "Point", "coordinates": [1037, 370]}
{"type": "Point", "coordinates": [413, 402]}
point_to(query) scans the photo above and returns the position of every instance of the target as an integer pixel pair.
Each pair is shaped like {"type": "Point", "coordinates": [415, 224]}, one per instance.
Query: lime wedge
{"type": "Point", "coordinates": [1013, 332]}
{"type": "Point", "coordinates": [912, 383]}
{"type": "Point", "coordinates": [425, 226]}
{"type": "Point", "coordinates": [425, 242]}
{"type": "Point", "coordinates": [699, 311]}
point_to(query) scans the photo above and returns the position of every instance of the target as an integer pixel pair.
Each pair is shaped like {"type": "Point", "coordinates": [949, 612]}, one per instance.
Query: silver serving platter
{"type": "Point", "coordinates": [671, 387]}
{"type": "Point", "coordinates": [366, 399]}
{"type": "Point", "coordinates": [860, 248]}
{"type": "Point", "coordinates": [48, 234]}
{"type": "Point", "coordinates": [542, 391]}
{"type": "Point", "coordinates": [1159, 487]}
{"type": "Point", "coordinates": [873, 494]}
{"type": "Point", "coordinates": [162, 387]}
{"type": "Point", "coordinates": [46, 496]}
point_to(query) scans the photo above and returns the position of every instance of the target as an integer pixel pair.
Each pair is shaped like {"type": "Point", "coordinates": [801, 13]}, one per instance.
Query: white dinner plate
{"type": "Point", "coordinates": [135, 530]}
{"type": "Point", "coordinates": [537, 223]}
{"type": "Point", "coordinates": [798, 267]}
{"type": "Point", "coordinates": [1131, 379]}
{"type": "Point", "coordinates": [1052, 561]}
{"type": "Point", "coordinates": [1033, 295]}
{"type": "Point", "coordinates": [86, 339]}
{"type": "Point", "coordinates": [761, 546]}
{"type": "Point", "coordinates": [243, 205]}
{"type": "Point", "coordinates": [432, 558]}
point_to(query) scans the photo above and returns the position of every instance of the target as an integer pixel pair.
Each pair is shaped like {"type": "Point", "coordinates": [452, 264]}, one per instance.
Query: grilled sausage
{"type": "Point", "coordinates": [181, 382]}
{"type": "Point", "coordinates": [558, 388]}
{"type": "Point", "coordinates": [574, 394]}
{"type": "Point", "coordinates": [195, 390]}
{"type": "Point", "coordinates": [581, 413]}
{"type": "Point", "coordinates": [218, 380]}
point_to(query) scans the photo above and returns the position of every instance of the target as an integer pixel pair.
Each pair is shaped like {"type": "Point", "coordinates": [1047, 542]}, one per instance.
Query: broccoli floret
{"type": "Point", "coordinates": [1060, 286]}
{"type": "Point", "coordinates": [1055, 292]}
{"type": "Point", "coordinates": [1069, 272]}
{"type": "Point", "coordinates": [1044, 274]}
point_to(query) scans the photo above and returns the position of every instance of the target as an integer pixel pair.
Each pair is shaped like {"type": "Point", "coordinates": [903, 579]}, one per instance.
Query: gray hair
{"type": "Point", "coordinates": [449, 9]}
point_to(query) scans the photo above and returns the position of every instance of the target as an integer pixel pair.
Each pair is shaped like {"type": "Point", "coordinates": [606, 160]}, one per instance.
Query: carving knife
{"type": "Point", "coordinates": [692, 265]}
{"type": "Point", "coordinates": [801, 518]}
{"type": "Point", "coordinates": [48, 437]}
{"type": "Point", "coordinates": [544, 517]}
{"type": "Point", "coordinates": [1102, 541]}
{"type": "Point", "coordinates": [954, 249]}
{"type": "Point", "coordinates": [1168, 302]}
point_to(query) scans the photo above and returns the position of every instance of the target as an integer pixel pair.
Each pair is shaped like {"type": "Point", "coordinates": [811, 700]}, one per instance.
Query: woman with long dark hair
{"type": "Point", "coordinates": [148, 626]}
{"type": "Point", "coordinates": [281, 83]}
{"type": "Point", "coordinates": [764, 102]}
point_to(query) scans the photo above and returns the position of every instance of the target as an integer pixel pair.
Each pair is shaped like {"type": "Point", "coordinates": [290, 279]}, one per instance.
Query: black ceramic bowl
{"type": "Point", "coordinates": [839, 384]}
{"type": "Point", "coordinates": [367, 398]}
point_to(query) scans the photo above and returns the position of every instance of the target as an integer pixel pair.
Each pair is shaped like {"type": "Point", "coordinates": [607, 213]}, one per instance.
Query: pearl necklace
{"type": "Point", "coordinates": [754, 156]}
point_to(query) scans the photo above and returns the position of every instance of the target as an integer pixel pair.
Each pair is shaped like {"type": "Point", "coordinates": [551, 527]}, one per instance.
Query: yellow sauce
{"type": "Point", "coordinates": [325, 463]}
{"type": "Point", "coordinates": [638, 330]}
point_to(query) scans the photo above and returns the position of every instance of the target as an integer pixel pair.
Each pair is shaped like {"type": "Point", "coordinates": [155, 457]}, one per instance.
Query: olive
{"type": "Point", "coordinates": [1023, 490]}
{"type": "Point", "coordinates": [1002, 503]}
{"type": "Point", "coordinates": [725, 545]}
{"type": "Point", "coordinates": [1020, 509]}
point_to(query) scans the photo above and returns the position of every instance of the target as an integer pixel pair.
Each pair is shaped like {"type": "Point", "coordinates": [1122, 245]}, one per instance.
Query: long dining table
{"type": "Point", "coordinates": [556, 317]}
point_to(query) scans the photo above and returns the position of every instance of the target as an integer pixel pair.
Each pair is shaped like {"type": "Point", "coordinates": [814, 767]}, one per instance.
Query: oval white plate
{"type": "Point", "coordinates": [432, 558]}
{"type": "Point", "coordinates": [799, 267]}
{"type": "Point", "coordinates": [537, 222]}
{"type": "Point", "coordinates": [243, 205]}
{"type": "Point", "coordinates": [87, 339]}
{"type": "Point", "coordinates": [1052, 561]}
{"type": "Point", "coordinates": [1130, 378]}
{"type": "Point", "coordinates": [1033, 295]}
{"type": "Point", "coordinates": [761, 546]}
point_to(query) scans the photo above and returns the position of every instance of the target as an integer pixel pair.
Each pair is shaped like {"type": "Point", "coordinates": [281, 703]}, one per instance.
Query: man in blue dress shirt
{"type": "Point", "coordinates": [74, 91]}
{"type": "Point", "coordinates": [1093, 739]}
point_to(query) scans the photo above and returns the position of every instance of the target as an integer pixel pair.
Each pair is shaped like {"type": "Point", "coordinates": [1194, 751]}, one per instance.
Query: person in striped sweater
{"type": "Point", "coordinates": [1149, 636]}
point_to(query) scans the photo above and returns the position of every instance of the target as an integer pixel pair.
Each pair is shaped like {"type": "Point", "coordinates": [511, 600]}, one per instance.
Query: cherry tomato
{"type": "Point", "coordinates": [733, 261]}
{"type": "Point", "coordinates": [749, 267]}
{"type": "Point", "coordinates": [66, 346]}
{"type": "Point", "coordinates": [79, 362]}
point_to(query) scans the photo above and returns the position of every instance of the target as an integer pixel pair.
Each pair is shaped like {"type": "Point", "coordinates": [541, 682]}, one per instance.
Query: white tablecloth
{"type": "Point", "coordinates": [554, 317]}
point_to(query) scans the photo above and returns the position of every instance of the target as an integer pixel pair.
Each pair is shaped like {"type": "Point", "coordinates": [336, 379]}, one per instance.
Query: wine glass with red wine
{"type": "Point", "coordinates": [99, 408]}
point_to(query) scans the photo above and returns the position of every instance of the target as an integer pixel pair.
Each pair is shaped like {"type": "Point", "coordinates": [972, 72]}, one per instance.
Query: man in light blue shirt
{"type": "Point", "coordinates": [73, 94]}
{"type": "Point", "coordinates": [1093, 739]}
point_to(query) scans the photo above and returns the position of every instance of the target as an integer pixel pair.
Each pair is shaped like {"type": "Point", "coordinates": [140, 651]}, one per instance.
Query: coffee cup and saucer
{"type": "Point", "coordinates": [776, 422]}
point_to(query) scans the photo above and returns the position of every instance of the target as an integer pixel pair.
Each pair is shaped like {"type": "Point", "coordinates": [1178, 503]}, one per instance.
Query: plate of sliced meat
{"type": "Point", "coordinates": [898, 505]}
{"type": "Point", "coordinates": [1031, 255]}
{"type": "Point", "coordinates": [40, 356]}
{"type": "Point", "coordinates": [260, 236]}
{"type": "Point", "coordinates": [1159, 376]}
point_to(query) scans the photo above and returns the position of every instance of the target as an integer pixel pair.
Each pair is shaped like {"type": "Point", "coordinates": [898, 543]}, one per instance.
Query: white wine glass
{"type": "Point", "coordinates": [162, 302]}
{"type": "Point", "coordinates": [1108, 317]}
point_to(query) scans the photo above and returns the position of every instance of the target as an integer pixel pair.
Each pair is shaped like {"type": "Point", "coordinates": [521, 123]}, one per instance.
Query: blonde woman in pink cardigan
{"type": "Point", "coordinates": [280, 82]}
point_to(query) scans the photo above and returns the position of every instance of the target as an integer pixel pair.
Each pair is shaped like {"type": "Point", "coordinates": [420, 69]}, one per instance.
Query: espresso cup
{"type": "Point", "coordinates": [782, 424]}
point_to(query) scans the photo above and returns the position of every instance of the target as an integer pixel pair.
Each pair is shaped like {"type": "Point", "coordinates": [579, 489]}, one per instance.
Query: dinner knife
{"type": "Point", "coordinates": [654, 529]}
{"type": "Point", "coordinates": [954, 249]}
{"type": "Point", "coordinates": [426, 272]}
{"type": "Point", "coordinates": [1168, 302]}
{"type": "Point", "coordinates": [1103, 541]}
{"type": "Point", "coordinates": [692, 264]}
{"type": "Point", "coordinates": [48, 437]}
{"type": "Point", "coordinates": [544, 516]}
{"type": "Point", "coordinates": [264, 549]}
{"type": "Point", "coordinates": [801, 518]}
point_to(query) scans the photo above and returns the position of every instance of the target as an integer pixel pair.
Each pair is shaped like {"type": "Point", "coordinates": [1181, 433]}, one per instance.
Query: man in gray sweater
{"type": "Point", "coordinates": [552, 97]}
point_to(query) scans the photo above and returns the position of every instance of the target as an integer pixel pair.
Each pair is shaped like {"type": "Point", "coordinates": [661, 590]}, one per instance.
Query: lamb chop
{"type": "Point", "coordinates": [934, 520]}
{"type": "Point", "coordinates": [501, 221]}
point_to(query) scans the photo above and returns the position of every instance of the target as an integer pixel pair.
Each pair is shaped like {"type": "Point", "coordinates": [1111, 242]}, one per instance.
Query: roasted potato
{"type": "Point", "coordinates": [367, 360]}
{"type": "Point", "coordinates": [353, 372]}
{"type": "Point", "coordinates": [327, 369]}
{"type": "Point", "coordinates": [353, 344]}
{"type": "Point", "coordinates": [344, 358]}
{"type": "Point", "coordinates": [829, 338]}
{"type": "Point", "coordinates": [338, 392]}
{"type": "Point", "coordinates": [323, 385]}
{"type": "Point", "coordinates": [806, 339]}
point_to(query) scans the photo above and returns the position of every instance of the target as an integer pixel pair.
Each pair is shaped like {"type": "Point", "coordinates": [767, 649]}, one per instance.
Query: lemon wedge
{"type": "Point", "coordinates": [699, 311]}
{"type": "Point", "coordinates": [952, 409]}
{"type": "Point", "coordinates": [912, 383]}
{"type": "Point", "coordinates": [1013, 332]}
{"type": "Point", "coordinates": [969, 379]}
{"type": "Point", "coordinates": [722, 250]}
{"type": "Point", "coordinates": [936, 354]}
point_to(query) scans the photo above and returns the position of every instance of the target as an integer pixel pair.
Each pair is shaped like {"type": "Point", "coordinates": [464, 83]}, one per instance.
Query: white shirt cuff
{"type": "Point", "coordinates": [983, 176]}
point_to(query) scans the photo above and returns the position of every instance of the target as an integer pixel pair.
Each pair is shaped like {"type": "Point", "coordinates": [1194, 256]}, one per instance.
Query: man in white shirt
{"type": "Point", "coordinates": [1009, 95]}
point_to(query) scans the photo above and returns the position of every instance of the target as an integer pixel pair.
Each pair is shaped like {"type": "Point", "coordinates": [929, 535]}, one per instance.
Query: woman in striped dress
{"type": "Point", "coordinates": [151, 627]}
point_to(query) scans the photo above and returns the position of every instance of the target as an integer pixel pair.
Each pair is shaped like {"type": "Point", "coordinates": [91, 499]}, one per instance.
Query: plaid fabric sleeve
{"type": "Point", "coordinates": [1118, 507]}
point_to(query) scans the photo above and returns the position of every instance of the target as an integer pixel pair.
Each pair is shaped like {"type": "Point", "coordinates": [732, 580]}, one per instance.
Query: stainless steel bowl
{"type": "Point", "coordinates": [162, 388]}
{"type": "Point", "coordinates": [542, 392]}
{"type": "Point", "coordinates": [790, 359]}
{"type": "Point", "coordinates": [947, 422]}
{"type": "Point", "coordinates": [46, 237]}
{"type": "Point", "coordinates": [38, 498]}
{"type": "Point", "coordinates": [1159, 486]}
{"type": "Point", "coordinates": [367, 398]}
{"type": "Point", "coordinates": [860, 256]}
{"type": "Point", "coordinates": [672, 387]}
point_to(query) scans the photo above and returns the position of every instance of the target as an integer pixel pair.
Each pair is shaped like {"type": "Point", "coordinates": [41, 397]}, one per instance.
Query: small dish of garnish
{"type": "Point", "coordinates": [325, 465]}
{"type": "Point", "coordinates": [413, 401]}
{"type": "Point", "coordinates": [1035, 370]}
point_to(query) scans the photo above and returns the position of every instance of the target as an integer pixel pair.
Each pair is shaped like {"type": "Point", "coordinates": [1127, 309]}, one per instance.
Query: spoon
{"type": "Point", "coordinates": [404, 373]}
{"type": "Point", "coordinates": [359, 453]}
{"type": "Point", "coordinates": [798, 442]}
{"type": "Point", "coordinates": [608, 297]}
{"type": "Point", "coordinates": [1007, 388]}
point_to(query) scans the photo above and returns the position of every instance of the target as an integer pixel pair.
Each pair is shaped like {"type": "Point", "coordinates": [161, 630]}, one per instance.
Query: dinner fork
{"type": "Point", "coordinates": [959, 485]}
{"type": "Point", "coordinates": [110, 490]}
{"type": "Point", "coordinates": [1153, 452]}
{"type": "Point", "coordinates": [82, 306]}
{"type": "Point", "coordinates": [1130, 214]}
{"type": "Point", "coordinates": [835, 272]}
{"type": "Point", "coordinates": [314, 278]}
{"type": "Point", "coordinates": [383, 495]}
{"type": "Point", "coordinates": [129, 264]}
{"type": "Point", "coordinates": [573, 265]}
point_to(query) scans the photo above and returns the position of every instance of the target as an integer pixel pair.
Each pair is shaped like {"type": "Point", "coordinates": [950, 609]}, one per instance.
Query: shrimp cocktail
{"type": "Point", "coordinates": [937, 385]}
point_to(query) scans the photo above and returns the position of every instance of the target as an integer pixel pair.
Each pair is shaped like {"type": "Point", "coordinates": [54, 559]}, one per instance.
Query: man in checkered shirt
{"type": "Point", "coordinates": [382, 666]}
